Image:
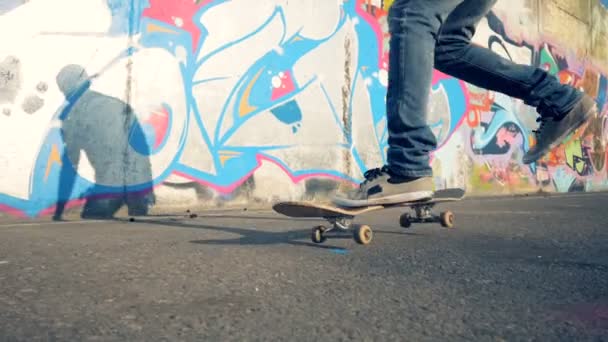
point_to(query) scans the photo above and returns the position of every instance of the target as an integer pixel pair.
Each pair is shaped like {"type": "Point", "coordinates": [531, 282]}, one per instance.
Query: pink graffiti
{"type": "Point", "coordinates": [159, 121]}
{"type": "Point", "coordinates": [504, 137]}
{"type": "Point", "coordinates": [178, 13]}
{"type": "Point", "coordinates": [12, 211]}
{"type": "Point", "coordinates": [283, 86]}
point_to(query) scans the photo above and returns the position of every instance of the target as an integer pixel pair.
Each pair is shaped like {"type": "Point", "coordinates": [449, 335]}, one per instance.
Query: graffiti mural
{"type": "Point", "coordinates": [207, 91]}
{"type": "Point", "coordinates": [501, 127]}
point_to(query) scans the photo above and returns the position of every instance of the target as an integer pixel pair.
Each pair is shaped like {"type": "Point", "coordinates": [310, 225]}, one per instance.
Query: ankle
{"type": "Point", "coordinates": [403, 176]}
{"type": "Point", "coordinates": [399, 178]}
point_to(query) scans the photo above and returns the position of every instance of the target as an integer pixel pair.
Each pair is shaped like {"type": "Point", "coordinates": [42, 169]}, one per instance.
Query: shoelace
{"type": "Point", "coordinates": [372, 174]}
{"type": "Point", "coordinates": [543, 121]}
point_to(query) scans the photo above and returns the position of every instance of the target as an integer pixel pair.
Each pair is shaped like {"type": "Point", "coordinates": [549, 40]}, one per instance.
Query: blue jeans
{"type": "Point", "coordinates": [437, 33]}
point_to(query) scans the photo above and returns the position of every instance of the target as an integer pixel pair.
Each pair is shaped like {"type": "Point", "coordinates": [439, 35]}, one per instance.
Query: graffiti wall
{"type": "Point", "coordinates": [142, 104]}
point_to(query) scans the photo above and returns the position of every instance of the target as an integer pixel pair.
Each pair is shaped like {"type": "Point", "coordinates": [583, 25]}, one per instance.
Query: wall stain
{"type": "Point", "coordinates": [10, 79]}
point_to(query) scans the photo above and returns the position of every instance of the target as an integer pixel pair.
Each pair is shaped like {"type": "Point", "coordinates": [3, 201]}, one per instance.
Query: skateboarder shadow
{"type": "Point", "coordinates": [100, 129]}
{"type": "Point", "coordinates": [256, 237]}
{"type": "Point", "coordinates": [247, 236]}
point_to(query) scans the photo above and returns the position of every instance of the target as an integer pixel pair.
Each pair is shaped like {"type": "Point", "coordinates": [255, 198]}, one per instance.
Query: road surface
{"type": "Point", "coordinates": [513, 269]}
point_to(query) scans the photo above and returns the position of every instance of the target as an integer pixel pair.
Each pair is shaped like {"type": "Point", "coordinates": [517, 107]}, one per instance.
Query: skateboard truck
{"type": "Point", "coordinates": [362, 234]}
{"type": "Point", "coordinates": [424, 214]}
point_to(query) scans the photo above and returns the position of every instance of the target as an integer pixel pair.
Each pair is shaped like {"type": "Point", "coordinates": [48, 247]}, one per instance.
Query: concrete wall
{"type": "Point", "coordinates": [167, 104]}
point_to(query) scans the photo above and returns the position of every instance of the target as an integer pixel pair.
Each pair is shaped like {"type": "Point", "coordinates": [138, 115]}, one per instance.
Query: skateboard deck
{"type": "Point", "coordinates": [341, 217]}
{"type": "Point", "coordinates": [302, 209]}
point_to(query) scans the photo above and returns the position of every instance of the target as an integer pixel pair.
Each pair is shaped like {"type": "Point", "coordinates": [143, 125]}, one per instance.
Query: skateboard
{"type": "Point", "coordinates": [341, 218]}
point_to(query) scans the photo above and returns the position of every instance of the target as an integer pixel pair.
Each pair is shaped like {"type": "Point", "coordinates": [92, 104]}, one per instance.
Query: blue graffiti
{"type": "Point", "coordinates": [251, 97]}
{"type": "Point", "coordinates": [254, 88]}
{"type": "Point", "coordinates": [484, 138]}
{"type": "Point", "coordinates": [602, 97]}
{"type": "Point", "coordinates": [500, 119]}
{"type": "Point", "coordinates": [563, 180]}
{"type": "Point", "coordinates": [446, 124]}
{"type": "Point", "coordinates": [126, 16]}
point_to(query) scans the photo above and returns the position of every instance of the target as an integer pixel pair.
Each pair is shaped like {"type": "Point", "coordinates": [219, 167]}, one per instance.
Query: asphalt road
{"type": "Point", "coordinates": [518, 269]}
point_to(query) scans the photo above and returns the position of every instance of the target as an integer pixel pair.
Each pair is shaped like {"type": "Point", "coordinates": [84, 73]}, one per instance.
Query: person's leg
{"type": "Point", "coordinates": [413, 26]}
{"type": "Point", "coordinates": [455, 55]}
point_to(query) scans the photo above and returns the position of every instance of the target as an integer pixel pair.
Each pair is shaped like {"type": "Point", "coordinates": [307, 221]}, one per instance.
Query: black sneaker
{"type": "Point", "coordinates": [380, 188]}
{"type": "Point", "coordinates": [552, 131]}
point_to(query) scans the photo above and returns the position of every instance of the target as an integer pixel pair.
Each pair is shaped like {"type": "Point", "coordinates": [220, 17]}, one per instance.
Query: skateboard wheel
{"type": "Point", "coordinates": [363, 234]}
{"type": "Point", "coordinates": [405, 221]}
{"type": "Point", "coordinates": [318, 234]}
{"type": "Point", "coordinates": [447, 219]}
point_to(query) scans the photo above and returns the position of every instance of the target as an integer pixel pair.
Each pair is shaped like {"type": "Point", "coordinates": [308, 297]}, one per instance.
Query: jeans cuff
{"type": "Point", "coordinates": [412, 173]}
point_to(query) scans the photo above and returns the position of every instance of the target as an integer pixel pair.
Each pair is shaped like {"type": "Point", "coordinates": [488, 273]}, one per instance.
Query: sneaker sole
{"type": "Point", "coordinates": [590, 113]}
{"type": "Point", "coordinates": [387, 200]}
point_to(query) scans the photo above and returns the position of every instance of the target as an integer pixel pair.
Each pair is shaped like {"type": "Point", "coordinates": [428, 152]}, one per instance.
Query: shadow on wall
{"type": "Point", "coordinates": [9, 5]}
{"type": "Point", "coordinates": [101, 129]}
